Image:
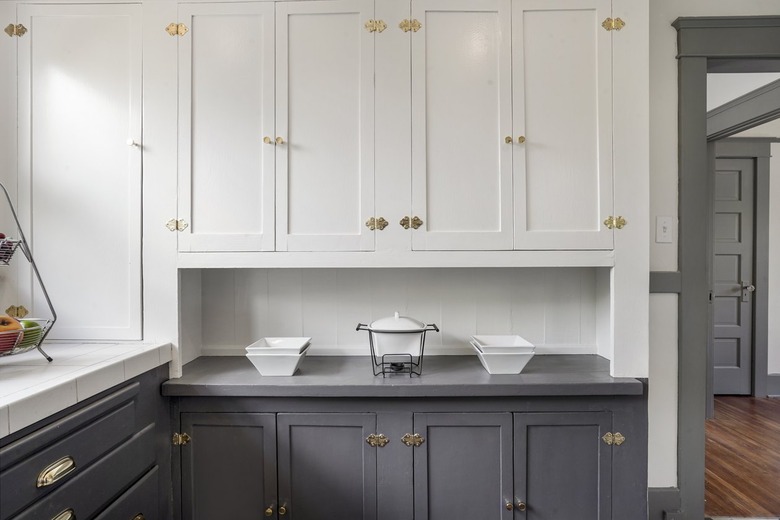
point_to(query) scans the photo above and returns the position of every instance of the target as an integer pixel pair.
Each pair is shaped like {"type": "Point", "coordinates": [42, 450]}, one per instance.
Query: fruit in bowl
{"type": "Point", "coordinates": [32, 332]}
{"type": "Point", "coordinates": [10, 332]}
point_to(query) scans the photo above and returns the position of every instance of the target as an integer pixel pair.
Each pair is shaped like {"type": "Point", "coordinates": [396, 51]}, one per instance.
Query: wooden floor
{"type": "Point", "coordinates": [742, 477]}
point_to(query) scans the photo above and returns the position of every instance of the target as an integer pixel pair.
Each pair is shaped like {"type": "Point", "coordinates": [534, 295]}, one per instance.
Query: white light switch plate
{"type": "Point", "coordinates": [663, 230]}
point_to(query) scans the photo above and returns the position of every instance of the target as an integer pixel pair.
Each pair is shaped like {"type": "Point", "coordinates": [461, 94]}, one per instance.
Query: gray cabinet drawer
{"type": "Point", "coordinates": [140, 501]}
{"type": "Point", "coordinates": [100, 484]}
{"type": "Point", "coordinates": [38, 475]}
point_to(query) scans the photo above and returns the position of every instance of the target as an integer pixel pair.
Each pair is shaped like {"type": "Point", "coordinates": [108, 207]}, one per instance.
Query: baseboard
{"type": "Point", "coordinates": [773, 385]}
{"type": "Point", "coordinates": [662, 503]}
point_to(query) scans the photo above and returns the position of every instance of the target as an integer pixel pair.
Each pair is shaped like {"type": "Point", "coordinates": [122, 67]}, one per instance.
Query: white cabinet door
{"type": "Point", "coordinates": [562, 107]}
{"type": "Point", "coordinates": [461, 115]}
{"type": "Point", "coordinates": [79, 181]}
{"type": "Point", "coordinates": [325, 120]}
{"type": "Point", "coordinates": [226, 108]}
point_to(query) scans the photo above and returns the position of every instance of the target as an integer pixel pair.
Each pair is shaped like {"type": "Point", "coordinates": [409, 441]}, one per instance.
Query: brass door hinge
{"type": "Point", "coordinates": [377, 440]}
{"type": "Point", "coordinates": [616, 438]}
{"type": "Point", "coordinates": [410, 25]}
{"type": "Point", "coordinates": [613, 25]}
{"type": "Point", "coordinates": [375, 26]}
{"type": "Point", "coordinates": [615, 222]}
{"type": "Point", "coordinates": [413, 440]}
{"type": "Point", "coordinates": [15, 30]}
{"type": "Point", "coordinates": [176, 225]}
{"type": "Point", "coordinates": [180, 439]}
{"type": "Point", "coordinates": [176, 29]}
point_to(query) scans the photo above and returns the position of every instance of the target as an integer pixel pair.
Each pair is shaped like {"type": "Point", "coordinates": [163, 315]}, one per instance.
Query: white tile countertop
{"type": "Point", "coordinates": [32, 388]}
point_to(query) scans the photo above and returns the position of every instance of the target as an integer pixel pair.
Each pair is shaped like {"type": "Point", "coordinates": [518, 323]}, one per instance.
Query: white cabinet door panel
{"type": "Point", "coordinates": [79, 181]}
{"type": "Point", "coordinates": [325, 116]}
{"type": "Point", "coordinates": [461, 110]}
{"type": "Point", "coordinates": [226, 108]}
{"type": "Point", "coordinates": [562, 89]}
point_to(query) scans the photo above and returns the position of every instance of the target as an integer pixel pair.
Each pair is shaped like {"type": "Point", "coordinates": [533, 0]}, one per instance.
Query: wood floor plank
{"type": "Point", "coordinates": [742, 453]}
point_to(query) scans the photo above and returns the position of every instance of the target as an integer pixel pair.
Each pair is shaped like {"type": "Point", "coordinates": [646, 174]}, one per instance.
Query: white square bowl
{"type": "Point", "coordinates": [285, 345]}
{"type": "Point", "coordinates": [503, 344]}
{"type": "Point", "coordinates": [273, 364]}
{"type": "Point", "coordinates": [503, 363]}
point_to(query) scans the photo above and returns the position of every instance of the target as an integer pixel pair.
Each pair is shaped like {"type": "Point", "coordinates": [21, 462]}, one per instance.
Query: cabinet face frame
{"type": "Point", "coordinates": [89, 253]}
{"type": "Point", "coordinates": [348, 177]}
{"type": "Point", "coordinates": [210, 182]}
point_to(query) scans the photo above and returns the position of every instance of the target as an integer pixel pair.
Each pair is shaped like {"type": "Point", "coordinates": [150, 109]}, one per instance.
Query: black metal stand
{"type": "Point", "coordinates": [394, 364]}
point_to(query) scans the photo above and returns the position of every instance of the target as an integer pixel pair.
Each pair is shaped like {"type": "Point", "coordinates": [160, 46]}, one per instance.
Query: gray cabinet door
{"type": "Point", "coordinates": [326, 467]}
{"type": "Point", "coordinates": [563, 468]}
{"type": "Point", "coordinates": [229, 466]}
{"type": "Point", "coordinates": [463, 469]}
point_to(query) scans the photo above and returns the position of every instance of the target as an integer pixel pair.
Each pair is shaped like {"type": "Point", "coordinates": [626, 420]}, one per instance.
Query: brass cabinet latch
{"type": "Point", "coordinates": [176, 225]}
{"type": "Point", "coordinates": [377, 440]}
{"type": "Point", "coordinates": [414, 222]}
{"type": "Point", "coordinates": [615, 222]}
{"type": "Point", "coordinates": [616, 438]}
{"type": "Point", "coordinates": [15, 30]}
{"type": "Point", "coordinates": [375, 26]}
{"type": "Point", "coordinates": [176, 29]}
{"type": "Point", "coordinates": [377, 223]}
{"type": "Point", "coordinates": [17, 311]}
{"type": "Point", "coordinates": [181, 439]}
{"type": "Point", "coordinates": [613, 24]}
{"type": "Point", "coordinates": [413, 440]}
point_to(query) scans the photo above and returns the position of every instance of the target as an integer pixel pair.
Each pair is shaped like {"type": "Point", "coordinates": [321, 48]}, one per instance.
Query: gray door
{"type": "Point", "coordinates": [563, 468]}
{"type": "Point", "coordinates": [229, 466]}
{"type": "Point", "coordinates": [463, 468]}
{"type": "Point", "coordinates": [326, 467]}
{"type": "Point", "coordinates": [732, 272]}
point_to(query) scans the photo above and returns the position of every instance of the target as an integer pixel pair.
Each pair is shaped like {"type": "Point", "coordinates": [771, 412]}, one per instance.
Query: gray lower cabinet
{"type": "Point", "coordinates": [445, 466]}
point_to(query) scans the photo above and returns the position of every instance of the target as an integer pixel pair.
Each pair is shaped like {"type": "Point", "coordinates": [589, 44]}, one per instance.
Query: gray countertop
{"type": "Point", "coordinates": [442, 376]}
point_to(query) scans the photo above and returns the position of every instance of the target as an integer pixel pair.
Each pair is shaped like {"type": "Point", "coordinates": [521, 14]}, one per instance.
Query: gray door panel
{"type": "Point", "coordinates": [563, 468]}
{"type": "Point", "coordinates": [229, 466]}
{"type": "Point", "coordinates": [732, 265]}
{"type": "Point", "coordinates": [463, 470]}
{"type": "Point", "coordinates": [326, 467]}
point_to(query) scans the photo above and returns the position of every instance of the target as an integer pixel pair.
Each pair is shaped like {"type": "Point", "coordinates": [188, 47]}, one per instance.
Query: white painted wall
{"type": "Point", "coordinates": [663, 202]}
{"type": "Point", "coordinates": [774, 261]}
{"type": "Point", "coordinates": [722, 88]}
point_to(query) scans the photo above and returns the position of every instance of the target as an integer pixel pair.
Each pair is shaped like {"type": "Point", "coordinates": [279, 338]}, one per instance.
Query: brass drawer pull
{"type": "Point", "coordinates": [54, 472]}
{"type": "Point", "coordinates": [68, 514]}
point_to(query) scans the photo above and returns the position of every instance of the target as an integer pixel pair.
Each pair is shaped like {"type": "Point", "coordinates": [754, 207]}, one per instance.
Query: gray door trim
{"type": "Point", "coordinates": [700, 39]}
{"type": "Point", "coordinates": [754, 108]}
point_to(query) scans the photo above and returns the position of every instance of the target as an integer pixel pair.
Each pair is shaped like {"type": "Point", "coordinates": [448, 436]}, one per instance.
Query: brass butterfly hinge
{"type": "Point", "coordinates": [413, 440]}
{"type": "Point", "coordinates": [375, 26]}
{"type": "Point", "coordinates": [17, 311]}
{"type": "Point", "coordinates": [176, 225]}
{"type": "Point", "coordinates": [180, 439]}
{"type": "Point", "coordinates": [616, 438]}
{"type": "Point", "coordinates": [15, 30]}
{"type": "Point", "coordinates": [377, 440]}
{"type": "Point", "coordinates": [176, 29]}
{"type": "Point", "coordinates": [410, 25]}
{"type": "Point", "coordinates": [615, 222]}
{"type": "Point", "coordinates": [613, 25]}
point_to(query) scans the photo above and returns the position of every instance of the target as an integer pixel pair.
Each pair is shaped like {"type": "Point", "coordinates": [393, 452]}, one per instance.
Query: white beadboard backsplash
{"type": "Point", "coordinates": [554, 308]}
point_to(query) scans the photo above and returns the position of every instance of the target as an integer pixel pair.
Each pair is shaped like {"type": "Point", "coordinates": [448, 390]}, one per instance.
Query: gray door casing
{"type": "Point", "coordinates": [732, 272]}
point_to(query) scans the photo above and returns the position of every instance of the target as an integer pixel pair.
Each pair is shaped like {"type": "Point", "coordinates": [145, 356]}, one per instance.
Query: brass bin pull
{"type": "Point", "coordinates": [54, 472]}
{"type": "Point", "coordinates": [68, 514]}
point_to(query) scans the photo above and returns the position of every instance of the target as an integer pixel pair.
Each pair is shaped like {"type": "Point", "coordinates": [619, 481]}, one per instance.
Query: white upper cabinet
{"type": "Point", "coordinates": [562, 124]}
{"type": "Point", "coordinates": [79, 184]}
{"type": "Point", "coordinates": [461, 113]}
{"type": "Point", "coordinates": [324, 126]}
{"type": "Point", "coordinates": [226, 108]}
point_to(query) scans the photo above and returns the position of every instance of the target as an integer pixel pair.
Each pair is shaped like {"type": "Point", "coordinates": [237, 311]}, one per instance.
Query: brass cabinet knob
{"type": "Point", "coordinates": [509, 506]}
{"type": "Point", "coordinates": [282, 510]}
{"type": "Point", "coordinates": [139, 516]}
{"type": "Point", "coordinates": [267, 140]}
{"type": "Point", "coordinates": [279, 140]}
{"type": "Point", "coordinates": [521, 139]}
{"type": "Point", "coordinates": [508, 139]}
{"type": "Point", "coordinates": [521, 505]}
{"type": "Point", "coordinates": [269, 511]}
{"type": "Point", "coordinates": [416, 222]}
{"type": "Point", "coordinates": [405, 222]}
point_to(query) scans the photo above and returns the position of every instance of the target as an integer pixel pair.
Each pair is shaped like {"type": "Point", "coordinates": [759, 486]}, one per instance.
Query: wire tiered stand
{"type": "Point", "coordinates": [34, 330]}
